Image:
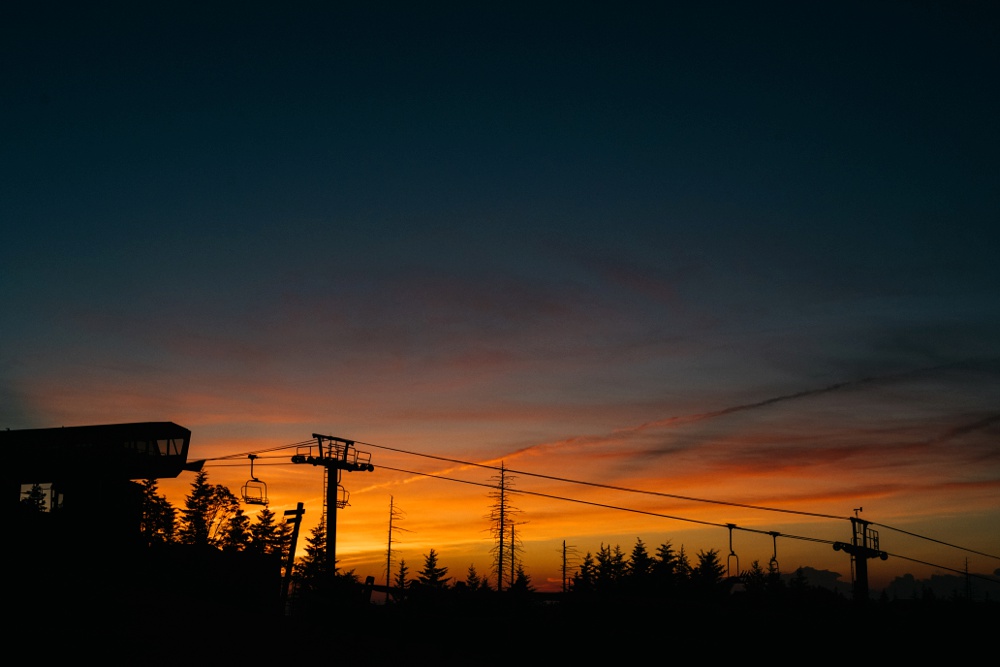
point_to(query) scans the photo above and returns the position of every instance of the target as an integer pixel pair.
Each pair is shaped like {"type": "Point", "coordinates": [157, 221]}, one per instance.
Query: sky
{"type": "Point", "coordinates": [675, 266]}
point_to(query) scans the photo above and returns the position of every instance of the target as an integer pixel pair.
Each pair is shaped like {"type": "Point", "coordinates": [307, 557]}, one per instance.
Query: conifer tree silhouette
{"type": "Point", "coordinates": [159, 517]}
{"type": "Point", "coordinates": [400, 583]}
{"type": "Point", "coordinates": [433, 575]}
{"type": "Point", "coordinates": [207, 510]}
{"type": "Point", "coordinates": [34, 499]}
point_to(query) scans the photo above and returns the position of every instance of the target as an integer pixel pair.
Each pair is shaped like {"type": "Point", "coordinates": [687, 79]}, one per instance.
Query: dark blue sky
{"type": "Point", "coordinates": [490, 229]}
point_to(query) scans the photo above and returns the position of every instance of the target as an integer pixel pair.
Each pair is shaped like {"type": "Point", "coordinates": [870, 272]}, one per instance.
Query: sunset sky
{"type": "Point", "coordinates": [735, 254]}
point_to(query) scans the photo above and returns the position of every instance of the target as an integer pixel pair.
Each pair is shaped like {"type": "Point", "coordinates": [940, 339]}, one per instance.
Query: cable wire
{"type": "Point", "coordinates": [611, 507]}
{"type": "Point", "coordinates": [256, 451]}
{"type": "Point", "coordinates": [944, 567]}
{"type": "Point", "coordinates": [931, 539]}
{"type": "Point", "coordinates": [609, 486]}
{"type": "Point", "coordinates": [615, 507]}
{"type": "Point", "coordinates": [676, 518]}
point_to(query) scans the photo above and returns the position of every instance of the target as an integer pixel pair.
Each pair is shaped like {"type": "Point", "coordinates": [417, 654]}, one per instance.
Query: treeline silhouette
{"type": "Point", "coordinates": [209, 567]}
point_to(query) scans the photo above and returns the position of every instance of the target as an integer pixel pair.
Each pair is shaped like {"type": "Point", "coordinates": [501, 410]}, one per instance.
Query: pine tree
{"type": "Point", "coordinates": [610, 567]}
{"type": "Point", "coordinates": [522, 581]}
{"type": "Point", "coordinates": [315, 587]}
{"type": "Point", "coordinates": [668, 570]}
{"type": "Point", "coordinates": [207, 510]}
{"type": "Point", "coordinates": [282, 539]}
{"type": "Point", "coordinates": [585, 579]}
{"type": "Point", "coordinates": [710, 567]}
{"type": "Point", "coordinates": [639, 570]}
{"type": "Point", "coordinates": [236, 534]}
{"type": "Point", "coordinates": [709, 573]}
{"type": "Point", "coordinates": [311, 570]}
{"type": "Point", "coordinates": [472, 580]}
{"type": "Point", "coordinates": [158, 516]}
{"type": "Point", "coordinates": [400, 582]}
{"type": "Point", "coordinates": [34, 500]}
{"type": "Point", "coordinates": [755, 580]}
{"type": "Point", "coordinates": [269, 537]}
{"type": "Point", "coordinates": [195, 525]}
{"type": "Point", "coordinates": [432, 575]}
{"type": "Point", "coordinates": [682, 565]}
{"type": "Point", "coordinates": [665, 565]}
{"type": "Point", "coordinates": [640, 564]}
{"type": "Point", "coordinates": [223, 507]}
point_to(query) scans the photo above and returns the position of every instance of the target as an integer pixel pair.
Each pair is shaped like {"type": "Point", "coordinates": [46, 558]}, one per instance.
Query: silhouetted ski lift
{"type": "Point", "coordinates": [732, 554]}
{"type": "Point", "coordinates": [773, 564]}
{"type": "Point", "coordinates": [254, 491]}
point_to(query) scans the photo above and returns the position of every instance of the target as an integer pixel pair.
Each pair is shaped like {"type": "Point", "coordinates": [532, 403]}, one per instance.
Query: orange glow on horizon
{"type": "Point", "coordinates": [452, 517]}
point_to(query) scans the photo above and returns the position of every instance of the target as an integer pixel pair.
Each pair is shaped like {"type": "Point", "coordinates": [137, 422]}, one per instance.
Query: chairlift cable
{"type": "Point", "coordinates": [930, 539]}
{"type": "Point", "coordinates": [615, 488]}
{"type": "Point", "coordinates": [609, 486]}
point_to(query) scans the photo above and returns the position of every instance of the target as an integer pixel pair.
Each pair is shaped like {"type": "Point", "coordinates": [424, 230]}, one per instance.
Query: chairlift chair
{"type": "Point", "coordinates": [254, 491]}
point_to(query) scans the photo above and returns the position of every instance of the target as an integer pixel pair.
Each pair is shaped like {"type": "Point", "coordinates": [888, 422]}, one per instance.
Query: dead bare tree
{"type": "Point", "coordinates": [502, 519]}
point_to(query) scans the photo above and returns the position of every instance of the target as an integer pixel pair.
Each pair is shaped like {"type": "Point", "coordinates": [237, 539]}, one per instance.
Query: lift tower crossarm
{"type": "Point", "coordinates": [337, 454]}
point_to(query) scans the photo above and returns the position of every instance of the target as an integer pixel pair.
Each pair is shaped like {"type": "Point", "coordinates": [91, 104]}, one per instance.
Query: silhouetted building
{"type": "Point", "coordinates": [90, 531]}
{"type": "Point", "coordinates": [90, 473]}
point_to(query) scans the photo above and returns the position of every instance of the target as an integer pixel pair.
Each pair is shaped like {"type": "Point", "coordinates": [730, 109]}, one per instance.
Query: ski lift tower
{"type": "Point", "coordinates": [337, 455]}
{"type": "Point", "coordinates": [863, 546]}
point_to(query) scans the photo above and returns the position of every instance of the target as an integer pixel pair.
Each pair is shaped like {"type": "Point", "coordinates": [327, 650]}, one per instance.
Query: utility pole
{"type": "Point", "coordinates": [336, 455]}
{"type": "Point", "coordinates": [864, 545]}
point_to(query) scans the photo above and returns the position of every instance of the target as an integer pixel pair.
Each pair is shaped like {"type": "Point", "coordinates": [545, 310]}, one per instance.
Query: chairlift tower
{"type": "Point", "coordinates": [864, 545]}
{"type": "Point", "coordinates": [337, 455]}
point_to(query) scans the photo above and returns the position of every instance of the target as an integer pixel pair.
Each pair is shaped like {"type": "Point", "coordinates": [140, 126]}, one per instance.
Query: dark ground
{"type": "Point", "coordinates": [504, 633]}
